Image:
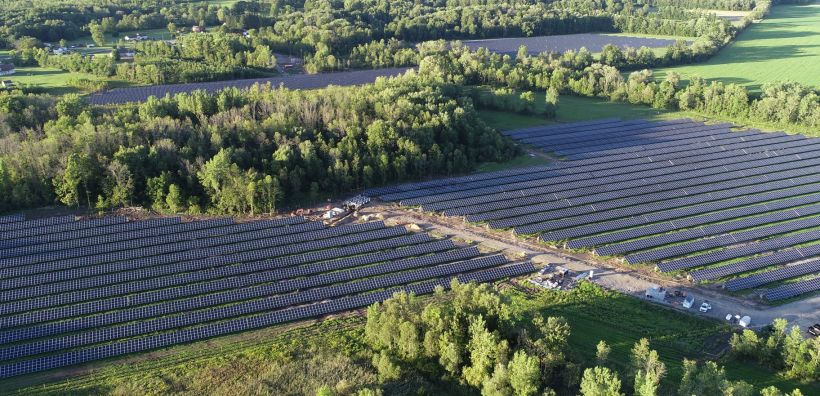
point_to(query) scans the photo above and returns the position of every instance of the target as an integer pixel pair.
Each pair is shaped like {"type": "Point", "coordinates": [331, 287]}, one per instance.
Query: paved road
{"type": "Point", "coordinates": [296, 81]}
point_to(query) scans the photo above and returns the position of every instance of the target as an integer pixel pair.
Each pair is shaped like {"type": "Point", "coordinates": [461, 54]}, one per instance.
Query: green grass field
{"type": "Point", "coordinates": [54, 81]}
{"type": "Point", "coordinates": [785, 46]}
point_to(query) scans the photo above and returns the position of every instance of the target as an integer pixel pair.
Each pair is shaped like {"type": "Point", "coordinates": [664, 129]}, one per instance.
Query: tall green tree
{"type": "Point", "coordinates": [600, 381]}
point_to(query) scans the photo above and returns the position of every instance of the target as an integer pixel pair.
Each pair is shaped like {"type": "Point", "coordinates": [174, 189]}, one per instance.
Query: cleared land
{"type": "Point", "coordinates": [594, 42]}
{"type": "Point", "coordinates": [680, 194]}
{"type": "Point", "coordinates": [784, 46]}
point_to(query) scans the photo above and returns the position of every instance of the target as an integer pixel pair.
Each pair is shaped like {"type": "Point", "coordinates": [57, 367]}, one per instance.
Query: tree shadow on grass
{"type": "Point", "coordinates": [739, 54]}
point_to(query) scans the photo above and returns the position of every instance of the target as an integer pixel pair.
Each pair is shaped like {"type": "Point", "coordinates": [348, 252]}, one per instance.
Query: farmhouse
{"type": "Point", "coordinates": [7, 69]}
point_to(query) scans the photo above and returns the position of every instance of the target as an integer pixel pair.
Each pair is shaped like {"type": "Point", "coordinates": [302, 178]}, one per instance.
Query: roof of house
{"type": "Point", "coordinates": [6, 66]}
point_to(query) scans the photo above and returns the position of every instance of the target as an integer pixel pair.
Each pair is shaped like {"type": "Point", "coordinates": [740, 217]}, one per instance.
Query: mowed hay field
{"type": "Point", "coordinates": [785, 46]}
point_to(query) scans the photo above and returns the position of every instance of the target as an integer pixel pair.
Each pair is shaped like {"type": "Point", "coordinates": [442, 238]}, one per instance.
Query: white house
{"type": "Point", "coordinates": [7, 69]}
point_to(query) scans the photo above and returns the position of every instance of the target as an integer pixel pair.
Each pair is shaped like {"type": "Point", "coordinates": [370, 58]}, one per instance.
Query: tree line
{"type": "Point", "coordinates": [468, 335]}
{"type": "Point", "coordinates": [333, 35]}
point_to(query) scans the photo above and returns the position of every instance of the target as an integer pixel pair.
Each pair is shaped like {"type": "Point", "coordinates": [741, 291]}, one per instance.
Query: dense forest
{"type": "Point", "coordinates": [239, 152]}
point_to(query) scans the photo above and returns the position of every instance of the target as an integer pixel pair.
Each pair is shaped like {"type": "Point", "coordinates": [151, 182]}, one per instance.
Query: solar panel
{"type": "Point", "coordinates": [240, 324]}
{"type": "Point", "coordinates": [793, 289]}
{"type": "Point", "coordinates": [776, 275]}
{"type": "Point", "coordinates": [12, 218]}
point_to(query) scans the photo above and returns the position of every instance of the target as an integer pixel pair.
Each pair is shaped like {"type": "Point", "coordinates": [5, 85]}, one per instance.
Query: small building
{"type": "Point", "coordinates": [656, 293]}
{"type": "Point", "coordinates": [61, 51]}
{"type": "Point", "coordinates": [126, 53]}
{"type": "Point", "coordinates": [745, 321]}
{"type": "Point", "coordinates": [7, 69]}
{"type": "Point", "coordinates": [689, 301]}
{"type": "Point", "coordinates": [197, 29]}
{"type": "Point", "coordinates": [7, 84]}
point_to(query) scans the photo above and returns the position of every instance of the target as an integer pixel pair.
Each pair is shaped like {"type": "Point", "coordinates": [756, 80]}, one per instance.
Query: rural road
{"type": "Point", "coordinates": [803, 313]}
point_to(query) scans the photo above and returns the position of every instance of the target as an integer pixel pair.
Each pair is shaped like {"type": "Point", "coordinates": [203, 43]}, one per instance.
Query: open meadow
{"type": "Point", "coordinates": [784, 46]}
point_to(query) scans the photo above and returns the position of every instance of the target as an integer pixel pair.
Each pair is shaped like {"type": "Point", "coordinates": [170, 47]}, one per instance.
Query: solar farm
{"type": "Point", "coordinates": [738, 209]}
{"type": "Point", "coordinates": [298, 81]}
{"type": "Point", "coordinates": [74, 291]}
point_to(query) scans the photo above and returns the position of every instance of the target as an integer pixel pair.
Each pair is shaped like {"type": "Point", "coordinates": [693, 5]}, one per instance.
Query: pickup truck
{"type": "Point", "coordinates": [705, 307]}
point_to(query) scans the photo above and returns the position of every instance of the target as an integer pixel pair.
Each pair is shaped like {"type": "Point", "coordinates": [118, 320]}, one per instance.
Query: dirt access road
{"type": "Point", "coordinates": [633, 282]}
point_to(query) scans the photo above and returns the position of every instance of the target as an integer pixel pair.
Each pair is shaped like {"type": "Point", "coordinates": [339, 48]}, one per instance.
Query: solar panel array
{"type": "Point", "coordinates": [678, 194]}
{"type": "Point", "coordinates": [97, 288]}
{"type": "Point", "coordinates": [299, 81]}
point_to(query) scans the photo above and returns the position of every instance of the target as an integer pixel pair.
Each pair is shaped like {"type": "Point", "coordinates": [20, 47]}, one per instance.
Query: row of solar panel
{"type": "Point", "coordinates": [588, 214]}
{"type": "Point", "coordinates": [471, 201]}
{"type": "Point", "coordinates": [741, 158]}
{"type": "Point", "coordinates": [793, 289]}
{"type": "Point", "coordinates": [346, 236]}
{"type": "Point", "coordinates": [157, 254]}
{"type": "Point", "coordinates": [764, 278]}
{"type": "Point", "coordinates": [687, 216]}
{"type": "Point", "coordinates": [630, 138]}
{"type": "Point", "coordinates": [136, 237]}
{"type": "Point", "coordinates": [9, 238]}
{"type": "Point", "coordinates": [185, 270]}
{"type": "Point", "coordinates": [105, 309]}
{"type": "Point", "coordinates": [166, 288]}
{"type": "Point", "coordinates": [558, 143]}
{"type": "Point", "coordinates": [768, 259]}
{"type": "Point", "coordinates": [240, 302]}
{"type": "Point", "coordinates": [241, 324]}
{"type": "Point", "coordinates": [738, 252]}
{"type": "Point", "coordinates": [243, 296]}
{"type": "Point", "coordinates": [90, 228]}
{"type": "Point", "coordinates": [44, 222]}
{"type": "Point", "coordinates": [654, 192]}
{"type": "Point", "coordinates": [12, 218]}
{"type": "Point", "coordinates": [597, 132]}
{"type": "Point", "coordinates": [722, 240]}
{"type": "Point", "coordinates": [694, 220]}
{"type": "Point", "coordinates": [621, 145]}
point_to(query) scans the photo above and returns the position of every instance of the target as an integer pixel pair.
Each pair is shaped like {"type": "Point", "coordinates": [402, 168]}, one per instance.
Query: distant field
{"type": "Point", "coordinates": [53, 80]}
{"type": "Point", "coordinates": [594, 42]}
{"type": "Point", "coordinates": [785, 46]}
